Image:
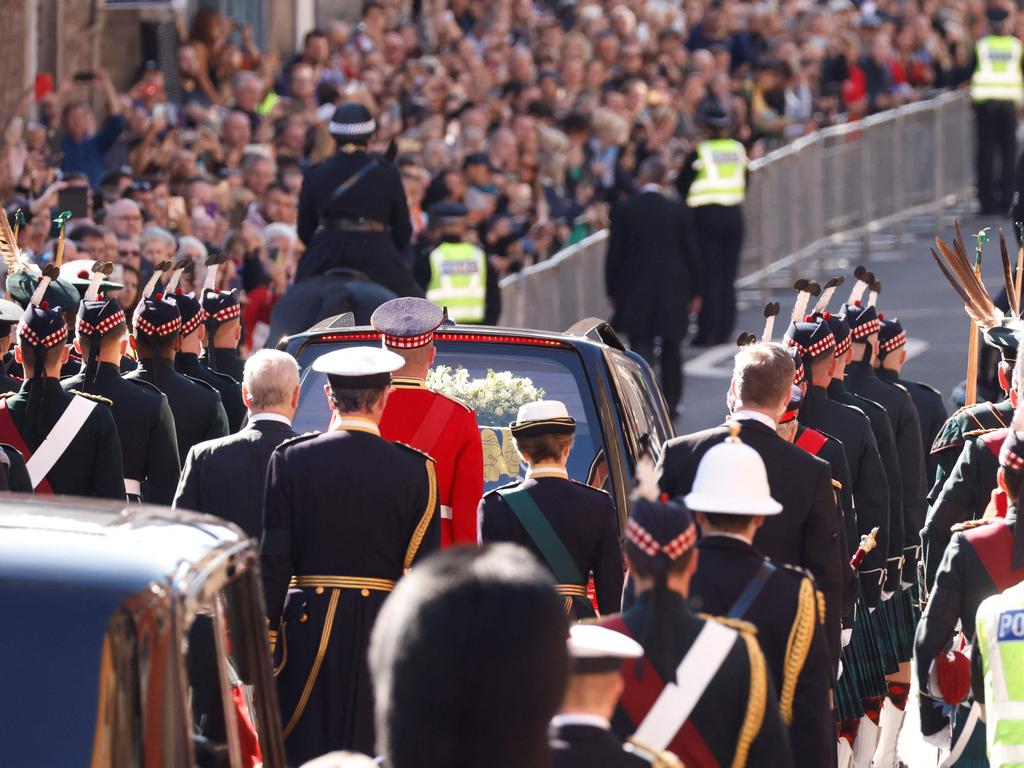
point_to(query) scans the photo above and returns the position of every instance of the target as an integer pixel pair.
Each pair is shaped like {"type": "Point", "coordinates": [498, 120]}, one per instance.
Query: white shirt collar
{"type": "Point", "coordinates": [267, 416]}
{"type": "Point", "coordinates": [356, 424]}
{"type": "Point", "coordinates": [743, 414]}
{"type": "Point", "coordinates": [536, 472]}
{"type": "Point", "coordinates": [595, 721]}
{"type": "Point", "coordinates": [652, 188]}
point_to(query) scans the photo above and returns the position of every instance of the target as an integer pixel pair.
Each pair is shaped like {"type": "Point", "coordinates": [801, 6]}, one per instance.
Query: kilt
{"type": "Point", "coordinates": [866, 671]}
{"type": "Point", "coordinates": [848, 698]}
{"type": "Point", "coordinates": [884, 634]}
{"type": "Point", "coordinates": [899, 614]}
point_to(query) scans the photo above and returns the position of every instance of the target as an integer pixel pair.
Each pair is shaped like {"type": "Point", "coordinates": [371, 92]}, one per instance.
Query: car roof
{"type": "Point", "coordinates": [109, 546]}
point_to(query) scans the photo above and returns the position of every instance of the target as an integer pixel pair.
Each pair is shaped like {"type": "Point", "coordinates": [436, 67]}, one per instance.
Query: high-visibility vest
{"type": "Point", "coordinates": [999, 638]}
{"type": "Point", "coordinates": [721, 174]}
{"type": "Point", "coordinates": [458, 280]}
{"type": "Point", "coordinates": [997, 74]}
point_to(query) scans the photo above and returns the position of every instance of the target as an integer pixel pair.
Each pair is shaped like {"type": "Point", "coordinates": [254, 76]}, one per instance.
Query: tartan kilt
{"type": "Point", "coordinates": [884, 634]}
{"type": "Point", "coordinates": [899, 613]}
{"type": "Point", "coordinates": [848, 706]}
{"type": "Point", "coordinates": [867, 674]}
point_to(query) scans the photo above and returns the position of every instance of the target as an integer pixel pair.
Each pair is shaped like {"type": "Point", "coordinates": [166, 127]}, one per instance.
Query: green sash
{"type": "Point", "coordinates": [543, 535]}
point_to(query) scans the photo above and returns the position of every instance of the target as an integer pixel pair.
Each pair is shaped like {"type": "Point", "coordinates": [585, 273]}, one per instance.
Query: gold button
{"type": "Point", "coordinates": [364, 592]}
{"type": "Point", "coordinates": [304, 618]}
{"type": "Point", "coordinates": [319, 590]}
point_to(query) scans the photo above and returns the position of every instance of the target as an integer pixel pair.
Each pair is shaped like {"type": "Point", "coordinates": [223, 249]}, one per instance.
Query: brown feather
{"type": "Point", "coordinates": [979, 304]}
{"type": "Point", "coordinates": [8, 245]}
{"type": "Point", "coordinates": [1011, 293]}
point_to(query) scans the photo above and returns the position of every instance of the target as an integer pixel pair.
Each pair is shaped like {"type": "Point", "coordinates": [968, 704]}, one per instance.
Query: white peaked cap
{"type": "Point", "coordinates": [589, 641]}
{"type": "Point", "coordinates": [731, 480]}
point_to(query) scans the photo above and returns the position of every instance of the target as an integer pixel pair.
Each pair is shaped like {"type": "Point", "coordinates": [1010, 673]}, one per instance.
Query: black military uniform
{"type": "Point", "coordinates": [188, 363]}
{"type": "Point", "coordinates": [735, 720]}
{"type": "Point", "coordinates": [980, 417]}
{"type": "Point", "coordinates": [568, 526]}
{"type": "Point", "coordinates": [345, 557]}
{"type": "Point", "coordinates": [22, 283]}
{"type": "Point", "coordinates": [149, 445]}
{"type": "Point", "coordinates": [851, 427]}
{"type": "Point", "coordinates": [352, 210]}
{"type": "Point", "coordinates": [983, 558]}
{"type": "Point", "coordinates": [198, 413]}
{"type": "Point", "coordinates": [89, 463]}
{"type": "Point", "coordinates": [931, 411]}
{"type": "Point", "coordinates": [10, 313]}
{"type": "Point", "coordinates": [221, 307]}
{"type": "Point", "coordinates": [583, 745]}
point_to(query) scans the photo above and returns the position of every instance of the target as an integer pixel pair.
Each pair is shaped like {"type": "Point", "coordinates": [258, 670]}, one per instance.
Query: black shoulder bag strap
{"type": "Point", "coordinates": [352, 180]}
{"type": "Point", "coordinates": [749, 595]}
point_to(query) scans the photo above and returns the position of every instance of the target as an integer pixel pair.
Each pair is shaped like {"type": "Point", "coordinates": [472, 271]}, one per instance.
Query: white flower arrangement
{"type": "Point", "coordinates": [495, 398]}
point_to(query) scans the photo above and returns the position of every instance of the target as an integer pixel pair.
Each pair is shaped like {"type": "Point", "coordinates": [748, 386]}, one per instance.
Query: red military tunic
{"type": "Point", "coordinates": [446, 430]}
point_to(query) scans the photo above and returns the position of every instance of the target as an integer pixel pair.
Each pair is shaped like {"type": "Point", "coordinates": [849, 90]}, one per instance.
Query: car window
{"type": "Point", "coordinates": [497, 377]}
{"type": "Point", "coordinates": [637, 405]}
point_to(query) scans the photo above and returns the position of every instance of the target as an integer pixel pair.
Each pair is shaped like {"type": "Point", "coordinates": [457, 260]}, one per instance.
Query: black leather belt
{"type": "Point", "coordinates": [356, 225]}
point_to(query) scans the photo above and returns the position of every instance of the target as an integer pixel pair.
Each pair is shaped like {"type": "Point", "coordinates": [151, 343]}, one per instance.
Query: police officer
{"type": "Point", "coordinates": [149, 444]}
{"type": "Point", "coordinates": [996, 673]}
{"type": "Point", "coordinates": [456, 274]}
{"type": "Point", "coordinates": [727, 713]}
{"type": "Point", "coordinates": [931, 410]}
{"type": "Point", "coordinates": [983, 558]}
{"type": "Point", "coordinates": [713, 181]}
{"type": "Point", "coordinates": [442, 427]}
{"type": "Point", "coordinates": [997, 88]}
{"type": "Point", "coordinates": [187, 361]}
{"type": "Point", "coordinates": [10, 313]}
{"type": "Point", "coordinates": [734, 580]}
{"type": "Point", "coordinates": [197, 409]}
{"type": "Point", "coordinates": [353, 211]}
{"type": "Point", "coordinates": [571, 527]}
{"type": "Point", "coordinates": [581, 734]}
{"type": "Point", "coordinates": [346, 557]}
{"type": "Point", "coordinates": [83, 456]}
{"type": "Point", "coordinates": [222, 316]}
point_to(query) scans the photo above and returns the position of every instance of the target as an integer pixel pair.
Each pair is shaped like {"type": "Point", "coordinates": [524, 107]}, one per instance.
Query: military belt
{"type": "Point", "coordinates": [356, 225]}
{"type": "Point", "coordinates": [365, 585]}
{"type": "Point", "coordinates": [571, 590]}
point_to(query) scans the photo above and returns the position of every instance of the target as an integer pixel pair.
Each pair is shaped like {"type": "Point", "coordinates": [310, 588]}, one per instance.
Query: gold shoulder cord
{"type": "Point", "coordinates": [797, 648]}
{"type": "Point", "coordinates": [755, 703]}
{"type": "Point", "coordinates": [428, 513]}
{"type": "Point", "coordinates": [325, 638]}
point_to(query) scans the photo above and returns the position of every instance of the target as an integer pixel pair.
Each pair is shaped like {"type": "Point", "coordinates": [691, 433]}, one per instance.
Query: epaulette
{"type": "Point", "coordinates": [454, 400]}
{"type": "Point", "coordinates": [417, 451]}
{"type": "Point", "coordinates": [90, 396]}
{"type": "Point", "coordinates": [929, 387]}
{"type": "Point", "coordinates": [298, 438]}
{"type": "Point", "coordinates": [656, 758]}
{"type": "Point", "coordinates": [220, 374]}
{"type": "Point", "coordinates": [739, 625]}
{"type": "Point", "coordinates": [795, 570]}
{"type": "Point", "coordinates": [967, 525]}
{"type": "Point", "coordinates": [206, 384]}
{"type": "Point", "coordinates": [589, 487]}
{"type": "Point", "coordinates": [979, 432]}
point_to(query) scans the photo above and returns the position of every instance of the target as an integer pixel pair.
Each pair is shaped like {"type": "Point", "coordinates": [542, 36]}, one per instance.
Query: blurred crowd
{"type": "Point", "coordinates": [535, 115]}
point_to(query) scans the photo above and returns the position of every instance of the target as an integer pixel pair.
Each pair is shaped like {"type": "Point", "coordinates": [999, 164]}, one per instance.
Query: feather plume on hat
{"type": "Point", "coordinates": [158, 272]}
{"type": "Point", "coordinates": [50, 273]}
{"type": "Point", "coordinates": [864, 281]}
{"type": "Point", "coordinates": [213, 262]}
{"type": "Point", "coordinates": [176, 272]}
{"type": "Point", "coordinates": [827, 293]}
{"type": "Point", "coordinates": [805, 290]}
{"type": "Point", "coordinates": [771, 311]}
{"type": "Point", "coordinates": [99, 271]}
{"type": "Point", "coordinates": [959, 271]}
{"type": "Point", "coordinates": [876, 288]}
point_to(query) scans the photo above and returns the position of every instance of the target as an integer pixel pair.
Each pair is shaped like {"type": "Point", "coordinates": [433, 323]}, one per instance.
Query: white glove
{"type": "Point", "coordinates": [845, 636]}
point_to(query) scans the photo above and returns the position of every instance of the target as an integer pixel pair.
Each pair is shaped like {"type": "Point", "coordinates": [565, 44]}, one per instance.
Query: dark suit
{"type": "Point", "coordinates": [651, 274]}
{"type": "Point", "coordinates": [588, 746]}
{"type": "Point", "coordinates": [806, 534]}
{"type": "Point", "coordinates": [228, 476]}
{"type": "Point", "coordinates": [582, 517]}
{"type": "Point", "coordinates": [145, 426]}
{"type": "Point", "coordinates": [789, 631]}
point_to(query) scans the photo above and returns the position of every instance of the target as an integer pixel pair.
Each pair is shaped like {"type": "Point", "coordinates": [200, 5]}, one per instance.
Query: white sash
{"type": "Point", "coordinates": [53, 446]}
{"type": "Point", "coordinates": [693, 675]}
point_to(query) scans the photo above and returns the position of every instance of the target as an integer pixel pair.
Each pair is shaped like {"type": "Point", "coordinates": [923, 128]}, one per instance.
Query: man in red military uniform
{"type": "Point", "coordinates": [440, 426]}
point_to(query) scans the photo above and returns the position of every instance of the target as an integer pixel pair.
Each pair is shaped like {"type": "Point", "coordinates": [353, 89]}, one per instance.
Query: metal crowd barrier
{"type": "Point", "coordinates": [836, 184]}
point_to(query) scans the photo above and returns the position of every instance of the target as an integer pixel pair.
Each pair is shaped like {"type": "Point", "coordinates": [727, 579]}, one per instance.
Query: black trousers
{"type": "Point", "coordinates": [667, 360]}
{"type": "Point", "coordinates": [996, 130]}
{"type": "Point", "coordinates": [719, 233]}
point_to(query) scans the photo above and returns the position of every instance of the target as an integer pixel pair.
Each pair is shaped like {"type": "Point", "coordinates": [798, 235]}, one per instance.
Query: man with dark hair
{"type": "Point", "coordinates": [198, 413]}
{"type": "Point", "coordinates": [442, 427]}
{"type": "Point", "coordinates": [149, 445]}
{"type": "Point", "coordinates": [343, 539]}
{"type": "Point", "coordinates": [702, 690]}
{"type": "Point", "coordinates": [806, 534]}
{"type": "Point", "coordinates": [569, 526]}
{"type": "Point", "coordinates": [443, 699]}
{"type": "Point", "coordinates": [10, 313]}
{"type": "Point", "coordinates": [652, 276]}
{"type": "Point", "coordinates": [68, 439]}
{"type": "Point", "coordinates": [733, 579]}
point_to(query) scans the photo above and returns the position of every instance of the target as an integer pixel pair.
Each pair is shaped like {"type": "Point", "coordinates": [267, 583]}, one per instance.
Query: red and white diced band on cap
{"type": "Point", "coordinates": [895, 342]}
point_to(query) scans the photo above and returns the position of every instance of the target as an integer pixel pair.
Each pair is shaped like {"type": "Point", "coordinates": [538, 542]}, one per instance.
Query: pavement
{"type": "Point", "coordinates": [912, 289]}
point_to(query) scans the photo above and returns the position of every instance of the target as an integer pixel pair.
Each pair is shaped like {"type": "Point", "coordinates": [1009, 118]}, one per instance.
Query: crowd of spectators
{"type": "Point", "coordinates": [534, 115]}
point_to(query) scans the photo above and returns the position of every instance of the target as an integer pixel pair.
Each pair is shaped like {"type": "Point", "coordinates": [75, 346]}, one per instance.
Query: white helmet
{"type": "Point", "coordinates": [731, 480]}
